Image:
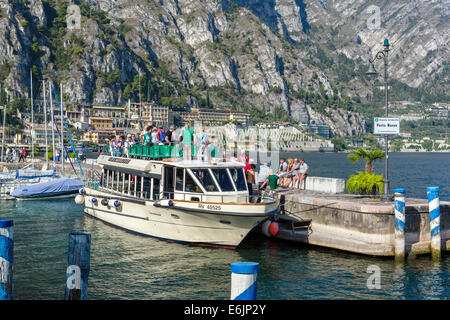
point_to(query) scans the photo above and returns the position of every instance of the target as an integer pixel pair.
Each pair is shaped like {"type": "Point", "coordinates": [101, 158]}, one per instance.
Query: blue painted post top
{"type": "Point", "coordinates": [432, 189]}
{"type": "Point", "coordinates": [245, 267]}
{"type": "Point", "coordinates": [80, 234]}
{"type": "Point", "coordinates": [399, 190]}
{"type": "Point", "coordinates": [6, 222]}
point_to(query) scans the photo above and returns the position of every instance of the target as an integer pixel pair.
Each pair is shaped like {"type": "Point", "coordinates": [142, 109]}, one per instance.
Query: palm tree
{"type": "Point", "coordinates": [369, 155]}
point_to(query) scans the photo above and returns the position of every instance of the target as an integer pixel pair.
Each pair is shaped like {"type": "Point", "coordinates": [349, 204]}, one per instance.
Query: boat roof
{"type": "Point", "coordinates": [151, 165]}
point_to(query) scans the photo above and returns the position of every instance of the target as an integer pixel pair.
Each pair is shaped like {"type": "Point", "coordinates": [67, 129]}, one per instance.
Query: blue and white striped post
{"type": "Point", "coordinates": [6, 259]}
{"type": "Point", "coordinates": [399, 209]}
{"type": "Point", "coordinates": [243, 280]}
{"type": "Point", "coordinates": [435, 221]}
{"type": "Point", "coordinates": [78, 266]}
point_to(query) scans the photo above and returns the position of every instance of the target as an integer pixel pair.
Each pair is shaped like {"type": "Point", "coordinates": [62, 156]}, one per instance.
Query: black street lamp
{"type": "Point", "coordinates": [372, 72]}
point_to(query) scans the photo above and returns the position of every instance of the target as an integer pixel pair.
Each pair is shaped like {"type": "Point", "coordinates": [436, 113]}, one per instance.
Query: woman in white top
{"type": "Point", "coordinates": [155, 139]}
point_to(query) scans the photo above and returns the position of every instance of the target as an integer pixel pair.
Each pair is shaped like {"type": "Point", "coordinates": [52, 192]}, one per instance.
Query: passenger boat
{"type": "Point", "coordinates": [188, 201]}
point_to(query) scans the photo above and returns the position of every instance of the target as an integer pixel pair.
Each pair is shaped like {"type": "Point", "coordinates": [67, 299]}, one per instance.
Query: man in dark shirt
{"type": "Point", "coordinates": [168, 139]}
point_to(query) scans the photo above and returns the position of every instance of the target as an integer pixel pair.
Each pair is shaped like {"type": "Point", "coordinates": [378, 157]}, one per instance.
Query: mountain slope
{"type": "Point", "coordinates": [301, 59]}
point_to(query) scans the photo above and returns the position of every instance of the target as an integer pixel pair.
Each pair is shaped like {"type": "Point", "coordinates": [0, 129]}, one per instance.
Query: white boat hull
{"type": "Point", "coordinates": [185, 221]}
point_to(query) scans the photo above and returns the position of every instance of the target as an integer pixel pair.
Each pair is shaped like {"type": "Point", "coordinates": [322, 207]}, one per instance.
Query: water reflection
{"type": "Point", "coordinates": [127, 266]}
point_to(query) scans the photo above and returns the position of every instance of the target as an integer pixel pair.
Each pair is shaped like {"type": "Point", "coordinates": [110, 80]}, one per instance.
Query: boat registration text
{"type": "Point", "coordinates": [210, 207]}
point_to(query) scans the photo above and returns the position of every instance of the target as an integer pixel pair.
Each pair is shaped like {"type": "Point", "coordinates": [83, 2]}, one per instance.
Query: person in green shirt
{"type": "Point", "coordinates": [187, 138]}
{"type": "Point", "coordinates": [146, 136]}
{"type": "Point", "coordinates": [272, 180]}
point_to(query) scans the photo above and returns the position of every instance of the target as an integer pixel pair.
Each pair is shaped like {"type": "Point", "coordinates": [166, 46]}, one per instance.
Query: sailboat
{"type": "Point", "coordinates": [11, 180]}
{"type": "Point", "coordinates": [56, 188]}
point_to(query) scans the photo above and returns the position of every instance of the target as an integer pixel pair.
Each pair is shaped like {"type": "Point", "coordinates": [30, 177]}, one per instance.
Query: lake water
{"type": "Point", "coordinates": [127, 266]}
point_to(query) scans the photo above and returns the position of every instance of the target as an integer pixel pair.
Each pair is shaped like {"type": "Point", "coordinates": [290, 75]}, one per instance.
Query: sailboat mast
{"type": "Point", "coordinates": [4, 126]}
{"type": "Point", "coordinates": [45, 125]}
{"type": "Point", "coordinates": [32, 118]}
{"type": "Point", "coordinates": [62, 131]}
{"type": "Point", "coordinates": [53, 124]}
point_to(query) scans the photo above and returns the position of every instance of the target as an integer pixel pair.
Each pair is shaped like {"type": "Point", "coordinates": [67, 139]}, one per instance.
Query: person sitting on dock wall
{"type": "Point", "coordinates": [263, 173]}
{"type": "Point", "coordinates": [272, 180]}
{"type": "Point", "coordinates": [285, 175]}
{"type": "Point", "coordinates": [302, 173]}
{"type": "Point", "coordinates": [282, 170]}
{"type": "Point", "coordinates": [292, 172]}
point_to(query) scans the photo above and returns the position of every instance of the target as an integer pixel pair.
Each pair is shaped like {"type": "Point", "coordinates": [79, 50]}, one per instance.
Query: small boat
{"type": "Point", "coordinates": [58, 188]}
{"type": "Point", "coordinates": [21, 178]}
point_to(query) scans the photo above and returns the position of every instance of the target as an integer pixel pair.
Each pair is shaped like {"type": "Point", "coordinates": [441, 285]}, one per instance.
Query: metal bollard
{"type": "Point", "coordinates": [435, 221]}
{"type": "Point", "coordinates": [6, 259]}
{"type": "Point", "coordinates": [399, 208]}
{"type": "Point", "coordinates": [243, 280]}
{"type": "Point", "coordinates": [78, 266]}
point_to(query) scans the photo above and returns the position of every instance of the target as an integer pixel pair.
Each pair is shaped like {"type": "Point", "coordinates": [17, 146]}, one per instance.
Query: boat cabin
{"type": "Point", "coordinates": [174, 178]}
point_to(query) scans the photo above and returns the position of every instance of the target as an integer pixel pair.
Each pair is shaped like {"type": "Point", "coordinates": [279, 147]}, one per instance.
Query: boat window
{"type": "Point", "coordinates": [205, 179]}
{"type": "Point", "coordinates": [115, 180]}
{"type": "Point", "coordinates": [146, 187]}
{"type": "Point", "coordinates": [105, 178]}
{"type": "Point", "coordinates": [237, 174]}
{"type": "Point", "coordinates": [190, 185]}
{"type": "Point", "coordinates": [133, 186]}
{"type": "Point", "coordinates": [125, 182]}
{"type": "Point", "coordinates": [223, 179]}
{"type": "Point", "coordinates": [179, 179]}
{"type": "Point", "coordinates": [155, 189]}
{"type": "Point", "coordinates": [102, 178]}
{"type": "Point", "coordinates": [120, 182]}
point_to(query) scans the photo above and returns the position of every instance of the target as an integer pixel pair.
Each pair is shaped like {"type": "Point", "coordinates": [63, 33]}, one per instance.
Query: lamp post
{"type": "Point", "coordinates": [372, 72]}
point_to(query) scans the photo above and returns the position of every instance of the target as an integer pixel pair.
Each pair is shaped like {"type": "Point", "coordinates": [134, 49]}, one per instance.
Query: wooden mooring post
{"type": "Point", "coordinates": [78, 266]}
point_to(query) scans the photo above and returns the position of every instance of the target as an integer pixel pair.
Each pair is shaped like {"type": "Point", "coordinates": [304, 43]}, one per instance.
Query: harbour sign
{"type": "Point", "coordinates": [386, 125]}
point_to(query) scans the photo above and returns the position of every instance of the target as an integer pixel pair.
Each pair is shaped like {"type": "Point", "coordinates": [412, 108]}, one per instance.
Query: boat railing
{"type": "Point", "coordinates": [153, 151]}
{"type": "Point", "coordinates": [219, 198]}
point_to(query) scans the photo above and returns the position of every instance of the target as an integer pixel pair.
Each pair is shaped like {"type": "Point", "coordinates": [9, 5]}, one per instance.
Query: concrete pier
{"type": "Point", "coordinates": [359, 224]}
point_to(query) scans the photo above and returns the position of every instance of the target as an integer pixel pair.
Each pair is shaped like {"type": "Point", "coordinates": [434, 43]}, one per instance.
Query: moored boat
{"type": "Point", "coordinates": [21, 178]}
{"type": "Point", "coordinates": [54, 189]}
{"type": "Point", "coordinates": [177, 200]}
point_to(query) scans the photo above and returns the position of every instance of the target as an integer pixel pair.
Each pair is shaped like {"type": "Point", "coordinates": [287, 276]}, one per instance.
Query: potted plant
{"type": "Point", "coordinates": [366, 183]}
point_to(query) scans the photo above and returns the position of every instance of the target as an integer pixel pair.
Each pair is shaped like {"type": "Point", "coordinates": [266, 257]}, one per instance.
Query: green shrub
{"type": "Point", "coordinates": [365, 183]}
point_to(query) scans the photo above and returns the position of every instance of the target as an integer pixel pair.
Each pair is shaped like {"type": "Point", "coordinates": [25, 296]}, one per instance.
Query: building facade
{"type": "Point", "coordinates": [101, 122]}
{"type": "Point", "coordinates": [215, 116]}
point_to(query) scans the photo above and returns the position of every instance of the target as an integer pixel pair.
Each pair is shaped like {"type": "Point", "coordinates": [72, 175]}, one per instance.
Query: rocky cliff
{"type": "Point", "coordinates": [306, 58]}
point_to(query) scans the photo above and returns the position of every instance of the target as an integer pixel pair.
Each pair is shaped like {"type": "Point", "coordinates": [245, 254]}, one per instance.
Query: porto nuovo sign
{"type": "Point", "coordinates": [386, 125]}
